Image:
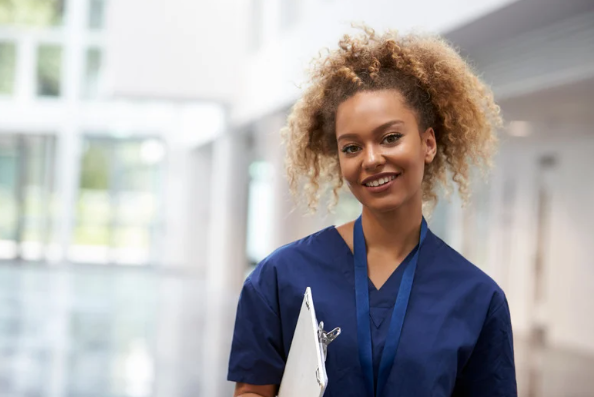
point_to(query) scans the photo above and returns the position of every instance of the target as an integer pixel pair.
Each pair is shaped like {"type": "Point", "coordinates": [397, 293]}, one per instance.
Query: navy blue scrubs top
{"type": "Point", "coordinates": [456, 339]}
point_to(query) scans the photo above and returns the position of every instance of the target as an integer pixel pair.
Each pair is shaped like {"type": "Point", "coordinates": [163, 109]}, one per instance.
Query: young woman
{"type": "Point", "coordinates": [391, 116]}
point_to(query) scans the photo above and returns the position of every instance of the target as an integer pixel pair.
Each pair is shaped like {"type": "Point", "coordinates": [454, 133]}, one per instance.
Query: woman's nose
{"type": "Point", "coordinates": [373, 158]}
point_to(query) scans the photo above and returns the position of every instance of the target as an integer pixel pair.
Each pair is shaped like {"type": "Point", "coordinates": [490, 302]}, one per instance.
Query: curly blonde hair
{"type": "Point", "coordinates": [434, 81]}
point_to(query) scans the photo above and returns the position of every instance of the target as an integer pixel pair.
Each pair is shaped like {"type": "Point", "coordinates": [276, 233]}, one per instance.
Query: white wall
{"type": "Point", "coordinates": [570, 281]}
{"type": "Point", "coordinates": [273, 73]}
{"type": "Point", "coordinates": [176, 48]}
{"type": "Point", "coordinates": [201, 49]}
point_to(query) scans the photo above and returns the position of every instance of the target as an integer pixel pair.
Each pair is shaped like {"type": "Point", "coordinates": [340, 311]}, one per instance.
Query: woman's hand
{"type": "Point", "coordinates": [247, 390]}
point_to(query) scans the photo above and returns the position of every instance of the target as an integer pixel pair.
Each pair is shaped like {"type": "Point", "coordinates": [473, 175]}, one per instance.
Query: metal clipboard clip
{"type": "Point", "coordinates": [325, 338]}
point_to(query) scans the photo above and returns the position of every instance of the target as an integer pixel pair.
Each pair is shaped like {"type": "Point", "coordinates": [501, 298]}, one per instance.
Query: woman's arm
{"type": "Point", "coordinates": [257, 358]}
{"type": "Point", "coordinates": [490, 370]}
{"type": "Point", "coordinates": [246, 390]}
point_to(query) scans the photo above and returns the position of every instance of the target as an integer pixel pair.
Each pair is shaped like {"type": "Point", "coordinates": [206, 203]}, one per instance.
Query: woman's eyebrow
{"type": "Point", "coordinates": [375, 131]}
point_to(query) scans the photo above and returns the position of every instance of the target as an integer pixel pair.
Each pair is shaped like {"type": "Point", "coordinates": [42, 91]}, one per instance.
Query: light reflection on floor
{"type": "Point", "coordinates": [113, 332]}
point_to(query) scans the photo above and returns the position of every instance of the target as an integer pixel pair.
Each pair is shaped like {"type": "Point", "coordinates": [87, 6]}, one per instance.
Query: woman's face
{"type": "Point", "coordinates": [381, 151]}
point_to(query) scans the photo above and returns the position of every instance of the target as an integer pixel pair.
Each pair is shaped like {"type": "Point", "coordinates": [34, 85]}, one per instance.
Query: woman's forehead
{"type": "Point", "coordinates": [366, 111]}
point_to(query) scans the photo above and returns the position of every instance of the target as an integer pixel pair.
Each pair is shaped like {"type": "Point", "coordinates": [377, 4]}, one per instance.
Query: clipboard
{"type": "Point", "coordinates": [305, 370]}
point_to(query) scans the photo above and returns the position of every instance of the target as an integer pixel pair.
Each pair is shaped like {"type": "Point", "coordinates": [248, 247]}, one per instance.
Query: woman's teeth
{"type": "Point", "coordinates": [381, 181]}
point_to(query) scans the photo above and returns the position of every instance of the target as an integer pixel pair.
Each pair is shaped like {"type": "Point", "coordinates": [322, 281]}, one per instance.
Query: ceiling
{"type": "Point", "coordinates": [513, 20]}
{"type": "Point", "coordinates": [567, 104]}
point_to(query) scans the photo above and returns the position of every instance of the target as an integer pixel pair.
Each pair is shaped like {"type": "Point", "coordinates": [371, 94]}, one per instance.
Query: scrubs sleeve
{"type": "Point", "coordinates": [490, 370]}
{"type": "Point", "coordinates": [256, 352]}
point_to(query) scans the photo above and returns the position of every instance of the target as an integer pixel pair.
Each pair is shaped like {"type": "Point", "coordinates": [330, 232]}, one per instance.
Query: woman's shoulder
{"type": "Point", "coordinates": [320, 243]}
{"type": "Point", "coordinates": [461, 270]}
{"type": "Point", "coordinates": [318, 247]}
{"type": "Point", "coordinates": [464, 283]}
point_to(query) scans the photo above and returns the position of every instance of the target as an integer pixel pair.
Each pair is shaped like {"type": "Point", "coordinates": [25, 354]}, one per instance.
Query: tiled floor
{"type": "Point", "coordinates": [113, 332]}
{"type": "Point", "coordinates": [97, 332]}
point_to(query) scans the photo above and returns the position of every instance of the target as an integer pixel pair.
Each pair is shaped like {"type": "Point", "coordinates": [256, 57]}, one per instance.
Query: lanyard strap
{"type": "Point", "coordinates": [398, 314]}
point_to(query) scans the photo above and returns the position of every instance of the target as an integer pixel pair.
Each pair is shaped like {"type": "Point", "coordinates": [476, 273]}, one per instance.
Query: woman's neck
{"type": "Point", "coordinates": [394, 233]}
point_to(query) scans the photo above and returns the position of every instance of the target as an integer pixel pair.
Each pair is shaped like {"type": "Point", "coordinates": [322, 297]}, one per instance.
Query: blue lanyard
{"type": "Point", "coordinates": [363, 323]}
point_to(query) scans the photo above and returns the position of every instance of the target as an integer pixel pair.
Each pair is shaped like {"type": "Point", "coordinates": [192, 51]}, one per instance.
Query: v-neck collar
{"type": "Point", "coordinates": [382, 300]}
{"type": "Point", "coordinates": [387, 292]}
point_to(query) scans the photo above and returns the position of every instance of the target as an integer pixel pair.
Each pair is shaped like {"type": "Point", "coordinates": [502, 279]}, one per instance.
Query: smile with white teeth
{"type": "Point", "coordinates": [381, 181]}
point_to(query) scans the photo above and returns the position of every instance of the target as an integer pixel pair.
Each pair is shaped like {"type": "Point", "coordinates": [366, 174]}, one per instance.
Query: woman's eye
{"type": "Point", "coordinates": [392, 138]}
{"type": "Point", "coordinates": [350, 149]}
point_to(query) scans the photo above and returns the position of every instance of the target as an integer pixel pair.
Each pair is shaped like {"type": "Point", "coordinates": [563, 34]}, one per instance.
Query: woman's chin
{"type": "Point", "coordinates": [382, 206]}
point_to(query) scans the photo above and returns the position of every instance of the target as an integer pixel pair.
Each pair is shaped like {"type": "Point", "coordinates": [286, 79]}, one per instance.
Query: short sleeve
{"type": "Point", "coordinates": [490, 370]}
{"type": "Point", "coordinates": [256, 352]}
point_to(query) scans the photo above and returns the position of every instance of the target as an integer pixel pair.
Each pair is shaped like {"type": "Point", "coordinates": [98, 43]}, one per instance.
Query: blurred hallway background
{"type": "Point", "coordinates": [141, 179]}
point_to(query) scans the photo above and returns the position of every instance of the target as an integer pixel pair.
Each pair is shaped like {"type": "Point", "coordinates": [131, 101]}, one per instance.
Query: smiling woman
{"type": "Point", "coordinates": [391, 116]}
{"type": "Point", "coordinates": [382, 152]}
{"type": "Point", "coordinates": [433, 82]}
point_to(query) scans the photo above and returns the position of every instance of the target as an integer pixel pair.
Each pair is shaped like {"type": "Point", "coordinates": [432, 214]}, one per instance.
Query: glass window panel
{"type": "Point", "coordinates": [26, 194]}
{"type": "Point", "coordinates": [138, 179]}
{"type": "Point", "coordinates": [85, 234]}
{"type": "Point", "coordinates": [117, 207]}
{"type": "Point", "coordinates": [37, 189]}
{"type": "Point", "coordinates": [131, 237]}
{"type": "Point", "coordinates": [7, 68]}
{"type": "Point", "coordinates": [136, 208]}
{"type": "Point", "coordinates": [34, 207]}
{"type": "Point", "coordinates": [31, 12]}
{"type": "Point", "coordinates": [94, 207]}
{"type": "Point", "coordinates": [96, 14]}
{"type": "Point", "coordinates": [92, 81]}
{"type": "Point", "coordinates": [139, 165]}
{"type": "Point", "coordinates": [129, 153]}
{"type": "Point", "coordinates": [9, 159]}
{"type": "Point", "coordinates": [49, 70]}
{"type": "Point", "coordinates": [95, 169]}
{"type": "Point", "coordinates": [260, 211]}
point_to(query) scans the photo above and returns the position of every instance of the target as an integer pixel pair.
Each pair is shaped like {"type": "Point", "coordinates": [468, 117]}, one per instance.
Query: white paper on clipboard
{"type": "Point", "coordinates": [305, 371]}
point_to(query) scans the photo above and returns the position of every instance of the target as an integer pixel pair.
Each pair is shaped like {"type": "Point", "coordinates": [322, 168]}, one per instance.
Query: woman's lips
{"type": "Point", "coordinates": [382, 188]}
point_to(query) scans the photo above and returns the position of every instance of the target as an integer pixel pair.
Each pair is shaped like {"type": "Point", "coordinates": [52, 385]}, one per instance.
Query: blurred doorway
{"type": "Point", "coordinates": [539, 317]}
{"type": "Point", "coordinates": [546, 177]}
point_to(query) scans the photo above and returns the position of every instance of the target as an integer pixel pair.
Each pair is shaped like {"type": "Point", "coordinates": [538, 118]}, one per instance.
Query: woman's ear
{"type": "Point", "coordinates": [430, 145]}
